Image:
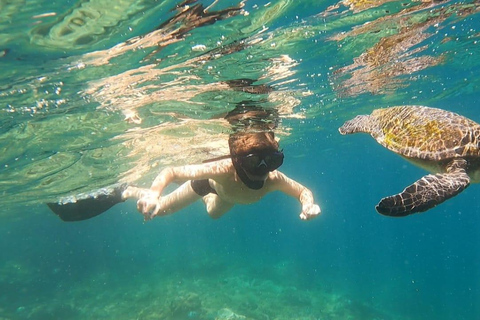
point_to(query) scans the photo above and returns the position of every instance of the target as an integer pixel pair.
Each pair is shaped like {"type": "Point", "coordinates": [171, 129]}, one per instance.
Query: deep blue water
{"type": "Point", "coordinates": [259, 261]}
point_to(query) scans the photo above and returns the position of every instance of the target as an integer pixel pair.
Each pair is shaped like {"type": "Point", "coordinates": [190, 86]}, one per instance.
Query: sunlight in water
{"type": "Point", "coordinates": [97, 92]}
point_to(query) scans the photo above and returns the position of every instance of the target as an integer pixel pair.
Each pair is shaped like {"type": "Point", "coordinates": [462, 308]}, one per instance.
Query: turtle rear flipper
{"type": "Point", "coordinates": [427, 192]}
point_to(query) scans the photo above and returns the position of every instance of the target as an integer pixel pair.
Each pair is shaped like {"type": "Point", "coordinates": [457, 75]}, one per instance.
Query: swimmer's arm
{"type": "Point", "coordinates": [190, 172]}
{"type": "Point", "coordinates": [148, 199]}
{"type": "Point", "coordinates": [291, 187]}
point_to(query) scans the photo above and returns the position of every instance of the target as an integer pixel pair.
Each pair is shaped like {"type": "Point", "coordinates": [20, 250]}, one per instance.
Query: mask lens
{"type": "Point", "coordinates": [260, 165]}
{"type": "Point", "coordinates": [274, 160]}
{"type": "Point", "coordinates": [251, 161]}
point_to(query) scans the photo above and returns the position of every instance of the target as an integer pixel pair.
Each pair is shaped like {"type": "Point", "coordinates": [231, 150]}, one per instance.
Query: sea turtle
{"type": "Point", "coordinates": [443, 142]}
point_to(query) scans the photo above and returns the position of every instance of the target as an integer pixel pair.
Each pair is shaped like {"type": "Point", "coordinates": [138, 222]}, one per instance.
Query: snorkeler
{"type": "Point", "coordinates": [244, 177]}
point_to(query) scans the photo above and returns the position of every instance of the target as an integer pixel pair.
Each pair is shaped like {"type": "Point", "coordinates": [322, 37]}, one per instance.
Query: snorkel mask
{"type": "Point", "coordinates": [254, 155]}
{"type": "Point", "coordinates": [261, 163]}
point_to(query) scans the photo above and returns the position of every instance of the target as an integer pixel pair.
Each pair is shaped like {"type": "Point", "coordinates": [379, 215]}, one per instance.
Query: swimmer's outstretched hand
{"type": "Point", "coordinates": [309, 211]}
{"type": "Point", "coordinates": [148, 203]}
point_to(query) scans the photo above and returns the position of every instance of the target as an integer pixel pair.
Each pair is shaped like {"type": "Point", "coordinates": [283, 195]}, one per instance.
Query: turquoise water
{"type": "Point", "coordinates": [96, 92]}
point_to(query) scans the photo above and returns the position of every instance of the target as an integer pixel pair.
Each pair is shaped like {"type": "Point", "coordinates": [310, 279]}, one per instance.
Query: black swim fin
{"type": "Point", "coordinates": [88, 205]}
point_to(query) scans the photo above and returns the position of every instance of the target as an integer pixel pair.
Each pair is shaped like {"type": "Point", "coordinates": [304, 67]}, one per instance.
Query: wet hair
{"type": "Point", "coordinates": [244, 143]}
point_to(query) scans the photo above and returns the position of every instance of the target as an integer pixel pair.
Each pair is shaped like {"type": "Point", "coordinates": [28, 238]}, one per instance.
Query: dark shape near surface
{"type": "Point", "coordinates": [88, 205]}
{"type": "Point", "coordinates": [440, 141]}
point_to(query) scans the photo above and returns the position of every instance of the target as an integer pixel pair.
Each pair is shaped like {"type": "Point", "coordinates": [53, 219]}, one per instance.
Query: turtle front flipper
{"type": "Point", "coordinates": [427, 192]}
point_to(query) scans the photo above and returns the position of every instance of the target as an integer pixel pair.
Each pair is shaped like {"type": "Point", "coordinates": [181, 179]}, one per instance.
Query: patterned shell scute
{"type": "Point", "coordinates": [426, 133]}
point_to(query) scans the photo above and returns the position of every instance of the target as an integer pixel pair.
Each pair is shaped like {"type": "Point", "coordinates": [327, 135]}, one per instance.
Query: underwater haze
{"type": "Point", "coordinates": [95, 92]}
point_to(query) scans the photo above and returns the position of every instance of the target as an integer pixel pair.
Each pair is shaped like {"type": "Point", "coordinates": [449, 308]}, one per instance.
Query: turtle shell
{"type": "Point", "coordinates": [425, 133]}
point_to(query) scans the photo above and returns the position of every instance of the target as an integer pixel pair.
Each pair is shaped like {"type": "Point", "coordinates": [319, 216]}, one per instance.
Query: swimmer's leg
{"type": "Point", "coordinates": [216, 207]}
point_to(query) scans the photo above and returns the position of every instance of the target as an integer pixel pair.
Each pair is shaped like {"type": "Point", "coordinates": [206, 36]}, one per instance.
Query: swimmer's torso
{"type": "Point", "coordinates": [231, 189]}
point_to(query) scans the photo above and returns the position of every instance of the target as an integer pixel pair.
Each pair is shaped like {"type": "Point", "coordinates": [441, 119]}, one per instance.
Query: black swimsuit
{"type": "Point", "coordinates": [202, 187]}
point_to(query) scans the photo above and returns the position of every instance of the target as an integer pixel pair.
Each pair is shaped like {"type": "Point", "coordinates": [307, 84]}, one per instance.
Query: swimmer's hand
{"type": "Point", "coordinates": [309, 211]}
{"type": "Point", "coordinates": [149, 204]}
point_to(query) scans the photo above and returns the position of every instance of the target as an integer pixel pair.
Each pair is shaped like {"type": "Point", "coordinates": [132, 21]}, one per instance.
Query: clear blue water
{"type": "Point", "coordinates": [67, 99]}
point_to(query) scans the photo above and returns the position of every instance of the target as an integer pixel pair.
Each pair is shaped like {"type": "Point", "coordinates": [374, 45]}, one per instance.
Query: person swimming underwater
{"type": "Point", "coordinates": [244, 177]}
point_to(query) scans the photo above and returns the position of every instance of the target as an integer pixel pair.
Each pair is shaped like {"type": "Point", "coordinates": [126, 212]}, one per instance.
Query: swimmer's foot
{"type": "Point", "coordinates": [88, 205]}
